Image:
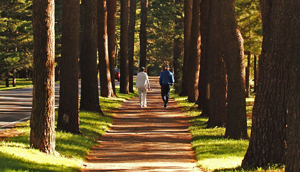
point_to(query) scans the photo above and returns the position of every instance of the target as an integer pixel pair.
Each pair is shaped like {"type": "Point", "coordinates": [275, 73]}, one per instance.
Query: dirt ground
{"type": "Point", "coordinates": [145, 139]}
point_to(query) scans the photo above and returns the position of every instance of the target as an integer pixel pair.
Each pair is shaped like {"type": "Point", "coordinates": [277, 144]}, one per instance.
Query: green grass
{"type": "Point", "coordinates": [214, 152]}
{"type": "Point", "coordinates": [20, 83]}
{"type": "Point", "coordinates": [17, 156]}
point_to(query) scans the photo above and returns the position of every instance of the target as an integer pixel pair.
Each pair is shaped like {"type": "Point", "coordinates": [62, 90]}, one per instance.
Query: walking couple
{"type": "Point", "coordinates": [166, 80]}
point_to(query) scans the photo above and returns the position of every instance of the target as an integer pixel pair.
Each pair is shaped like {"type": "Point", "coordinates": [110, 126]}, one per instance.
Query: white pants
{"type": "Point", "coordinates": [142, 96]}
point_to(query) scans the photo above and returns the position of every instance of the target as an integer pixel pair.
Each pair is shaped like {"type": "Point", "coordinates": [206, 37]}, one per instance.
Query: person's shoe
{"type": "Point", "coordinates": [145, 105]}
{"type": "Point", "coordinates": [142, 106]}
{"type": "Point", "coordinates": [166, 104]}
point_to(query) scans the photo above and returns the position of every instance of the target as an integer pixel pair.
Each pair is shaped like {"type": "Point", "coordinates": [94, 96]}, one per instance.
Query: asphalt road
{"type": "Point", "coordinates": [15, 105]}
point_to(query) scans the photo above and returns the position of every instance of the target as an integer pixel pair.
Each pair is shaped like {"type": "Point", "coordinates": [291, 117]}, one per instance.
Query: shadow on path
{"type": "Point", "coordinates": [145, 139]}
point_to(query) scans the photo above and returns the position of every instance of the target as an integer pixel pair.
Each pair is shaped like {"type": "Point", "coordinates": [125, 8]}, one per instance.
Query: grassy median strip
{"type": "Point", "coordinates": [214, 152]}
{"type": "Point", "coordinates": [17, 156]}
{"type": "Point", "coordinates": [20, 83]}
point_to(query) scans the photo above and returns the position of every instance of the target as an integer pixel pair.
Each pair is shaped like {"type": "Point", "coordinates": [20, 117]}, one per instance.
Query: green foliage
{"type": "Point", "coordinates": [58, 27]}
{"type": "Point", "coordinates": [16, 40]}
{"type": "Point", "coordinates": [161, 33]}
{"type": "Point", "coordinates": [16, 34]}
{"type": "Point", "coordinates": [250, 24]}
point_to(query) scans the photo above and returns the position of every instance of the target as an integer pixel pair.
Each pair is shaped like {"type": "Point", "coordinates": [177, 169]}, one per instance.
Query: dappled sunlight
{"type": "Point", "coordinates": [147, 138]}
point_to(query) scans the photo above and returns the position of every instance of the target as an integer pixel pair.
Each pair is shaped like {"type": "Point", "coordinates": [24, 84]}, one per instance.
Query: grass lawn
{"type": "Point", "coordinates": [214, 152]}
{"type": "Point", "coordinates": [17, 156]}
{"type": "Point", "coordinates": [20, 83]}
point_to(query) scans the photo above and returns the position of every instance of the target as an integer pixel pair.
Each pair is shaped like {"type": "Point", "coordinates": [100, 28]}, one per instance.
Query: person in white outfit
{"type": "Point", "coordinates": [142, 84]}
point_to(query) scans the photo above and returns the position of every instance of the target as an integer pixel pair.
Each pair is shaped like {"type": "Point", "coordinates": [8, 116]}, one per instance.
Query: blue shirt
{"type": "Point", "coordinates": [166, 78]}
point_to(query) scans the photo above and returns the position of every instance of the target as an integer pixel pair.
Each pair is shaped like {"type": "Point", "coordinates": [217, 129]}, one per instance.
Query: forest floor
{"type": "Point", "coordinates": [153, 138]}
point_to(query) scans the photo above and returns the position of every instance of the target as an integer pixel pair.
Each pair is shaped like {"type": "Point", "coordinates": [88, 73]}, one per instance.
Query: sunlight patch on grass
{"type": "Point", "coordinates": [19, 158]}
{"type": "Point", "coordinates": [221, 163]}
{"type": "Point", "coordinates": [212, 150]}
{"type": "Point", "coordinates": [111, 103]}
{"type": "Point", "coordinates": [125, 96]}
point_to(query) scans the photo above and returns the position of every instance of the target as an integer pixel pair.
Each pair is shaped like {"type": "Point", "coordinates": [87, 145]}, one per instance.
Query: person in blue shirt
{"type": "Point", "coordinates": [166, 80]}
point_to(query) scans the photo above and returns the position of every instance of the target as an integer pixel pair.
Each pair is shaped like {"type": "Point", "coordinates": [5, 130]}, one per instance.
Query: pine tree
{"type": "Point", "coordinates": [42, 121]}
{"type": "Point", "coordinates": [16, 45]}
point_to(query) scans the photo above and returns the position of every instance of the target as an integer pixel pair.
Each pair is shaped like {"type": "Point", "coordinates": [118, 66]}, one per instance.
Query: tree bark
{"type": "Point", "coordinates": [247, 81]}
{"type": "Point", "coordinates": [194, 57]}
{"type": "Point", "coordinates": [188, 8]}
{"type": "Point", "coordinates": [178, 48]}
{"type": "Point", "coordinates": [111, 29]}
{"type": "Point", "coordinates": [204, 20]}
{"type": "Point", "coordinates": [143, 33]}
{"type": "Point", "coordinates": [7, 79]}
{"type": "Point", "coordinates": [104, 66]}
{"type": "Point", "coordinates": [124, 78]}
{"type": "Point", "coordinates": [131, 43]}
{"type": "Point", "coordinates": [42, 121]}
{"type": "Point", "coordinates": [216, 82]}
{"type": "Point", "coordinates": [236, 124]}
{"type": "Point", "coordinates": [268, 133]}
{"type": "Point", "coordinates": [14, 83]}
{"type": "Point", "coordinates": [255, 73]}
{"type": "Point", "coordinates": [88, 57]}
{"type": "Point", "coordinates": [68, 117]}
{"type": "Point", "coordinates": [293, 116]}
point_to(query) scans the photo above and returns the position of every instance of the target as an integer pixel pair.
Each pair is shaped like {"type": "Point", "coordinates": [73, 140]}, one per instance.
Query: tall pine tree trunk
{"type": "Point", "coordinates": [293, 116]}
{"type": "Point", "coordinates": [111, 29]}
{"type": "Point", "coordinates": [236, 124]}
{"type": "Point", "coordinates": [247, 75]}
{"type": "Point", "coordinates": [204, 20]}
{"type": "Point", "coordinates": [88, 57]}
{"type": "Point", "coordinates": [188, 8]}
{"type": "Point", "coordinates": [124, 78]}
{"type": "Point", "coordinates": [194, 57]}
{"type": "Point", "coordinates": [178, 48]}
{"type": "Point", "coordinates": [104, 66]}
{"type": "Point", "coordinates": [7, 78]}
{"type": "Point", "coordinates": [68, 117]}
{"type": "Point", "coordinates": [42, 121]}
{"type": "Point", "coordinates": [131, 42]}
{"type": "Point", "coordinates": [14, 83]}
{"type": "Point", "coordinates": [216, 82]}
{"type": "Point", "coordinates": [143, 33]}
{"type": "Point", "coordinates": [255, 72]}
{"type": "Point", "coordinates": [268, 133]}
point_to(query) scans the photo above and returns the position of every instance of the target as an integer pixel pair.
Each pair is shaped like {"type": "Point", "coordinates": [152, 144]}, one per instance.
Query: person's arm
{"type": "Point", "coordinates": [171, 78]}
{"type": "Point", "coordinates": [137, 82]}
{"type": "Point", "coordinates": [160, 80]}
{"type": "Point", "coordinates": [148, 82]}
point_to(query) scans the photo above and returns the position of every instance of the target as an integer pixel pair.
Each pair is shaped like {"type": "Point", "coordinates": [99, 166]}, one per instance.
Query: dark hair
{"type": "Point", "coordinates": [142, 69]}
{"type": "Point", "coordinates": [167, 67]}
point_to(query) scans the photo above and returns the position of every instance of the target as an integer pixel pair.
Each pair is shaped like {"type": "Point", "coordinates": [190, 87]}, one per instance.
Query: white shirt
{"type": "Point", "coordinates": [142, 81]}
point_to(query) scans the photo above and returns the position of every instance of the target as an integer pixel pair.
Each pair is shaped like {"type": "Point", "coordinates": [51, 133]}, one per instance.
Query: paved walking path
{"type": "Point", "coordinates": [145, 139]}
